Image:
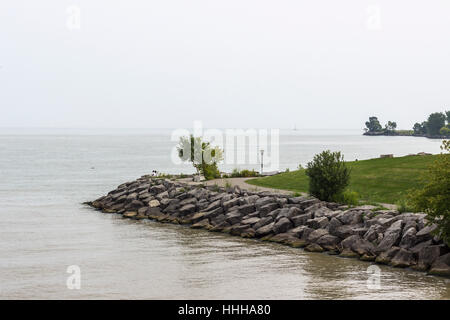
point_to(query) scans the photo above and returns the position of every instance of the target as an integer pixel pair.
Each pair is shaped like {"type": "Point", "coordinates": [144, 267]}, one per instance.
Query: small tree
{"type": "Point", "coordinates": [445, 131]}
{"type": "Point", "coordinates": [328, 175]}
{"type": "Point", "coordinates": [435, 122]}
{"type": "Point", "coordinates": [373, 125]}
{"type": "Point", "coordinates": [434, 198]}
{"type": "Point", "coordinates": [391, 126]}
{"type": "Point", "coordinates": [420, 128]}
{"type": "Point", "coordinates": [202, 155]}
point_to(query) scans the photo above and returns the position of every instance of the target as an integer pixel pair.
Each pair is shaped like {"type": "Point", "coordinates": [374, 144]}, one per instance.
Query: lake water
{"type": "Point", "coordinates": [44, 228]}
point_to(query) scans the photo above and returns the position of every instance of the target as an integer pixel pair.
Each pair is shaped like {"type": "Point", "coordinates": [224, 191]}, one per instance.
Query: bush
{"type": "Point", "coordinates": [210, 171]}
{"type": "Point", "coordinates": [445, 131]}
{"type": "Point", "coordinates": [244, 173]}
{"type": "Point", "coordinates": [404, 205]}
{"type": "Point", "coordinates": [347, 197]}
{"type": "Point", "coordinates": [203, 156]}
{"type": "Point", "coordinates": [434, 197]}
{"type": "Point", "coordinates": [228, 185]}
{"type": "Point", "coordinates": [328, 175]}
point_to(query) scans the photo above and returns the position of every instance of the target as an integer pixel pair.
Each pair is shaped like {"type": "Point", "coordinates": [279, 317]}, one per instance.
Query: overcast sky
{"type": "Point", "coordinates": [228, 63]}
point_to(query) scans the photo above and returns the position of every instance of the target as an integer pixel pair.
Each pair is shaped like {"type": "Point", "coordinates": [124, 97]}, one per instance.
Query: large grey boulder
{"type": "Point", "coordinates": [314, 247]}
{"type": "Point", "coordinates": [386, 222]}
{"type": "Point", "coordinates": [391, 237]}
{"type": "Point", "coordinates": [213, 213]}
{"type": "Point", "coordinates": [267, 208]}
{"type": "Point", "coordinates": [157, 189]}
{"type": "Point", "coordinates": [132, 196]}
{"type": "Point", "coordinates": [301, 219]}
{"type": "Point", "coordinates": [350, 217]}
{"type": "Point", "coordinates": [425, 233]}
{"type": "Point", "coordinates": [427, 256]}
{"type": "Point", "coordinates": [348, 242]}
{"type": "Point", "coordinates": [202, 204]}
{"type": "Point", "coordinates": [154, 203]}
{"type": "Point", "coordinates": [333, 225]}
{"type": "Point", "coordinates": [386, 256]}
{"type": "Point", "coordinates": [281, 202]}
{"type": "Point", "coordinates": [421, 245]}
{"type": "Point", "coordinates": [297, 232]}
{"type": "Point", "coordinates": [251, 221]}
{"type": "Point", "coordinates": [441, 266]}
{"type": "Point", "coordinates": [323, 212]}
{"type": "Point", "coordinates": [363, 247]}
{"type": "Point", "coordinates": [282, 225]}
{"type": "Point", "coordinates": [273, 214]}
{"type": "Point", "coordinates": [328, 241]}
{"type": "Point", "coordinates": [373, 232]}
{"type": "Point", "coordinates": [262, 222]}
{"type": "Point", "coordinates": [409, 238]}
{"type": "Point", "coordinates": [219, 220]}
{"type": "Point", "coordinates": [173, 205]}
{"type": "Point", "coordinates": [233, 217]}
{"type": "Point", "coordinates": [162, 195]}
{"type": "Point", "coordinates": [265, 230]}
{"type": "Point", "coordinates": [317, 223]}
{"type": "Point", "coordinates": [246, 208]}
{"type": "Point", "coordinates": [316, 234]}
{"type": "Point", "coordinates": [358, 245]}
{"type": "Point", "coordinates": [263, 201]}
{"type": "Point", "coordinates": [294, 212]}
{"type": "Point", "coordinates": [213, 205]}
{"type": "Point", "coordinates": [403, 259]}
{"type": "Point", "coordinates": [308, 202]}
{"type": "Point", "coordinates": [186, 201]}
{"type": "Point", "coordinates": [288, 213]}
{"type": "Point", "coordinates": [313, 208]}
{"type": "Point", "coordinates": [344, 231]}
{"type": "Point", "coordinates": [187, 209]}
{"type": "Point", "coordinates": [134, 205]}
{"type": "Point", "coordinates": [230, 203]}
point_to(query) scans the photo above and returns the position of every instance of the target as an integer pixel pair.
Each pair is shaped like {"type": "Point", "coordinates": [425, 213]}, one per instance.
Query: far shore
{"type": "Point", "coordinates": [403, 133]}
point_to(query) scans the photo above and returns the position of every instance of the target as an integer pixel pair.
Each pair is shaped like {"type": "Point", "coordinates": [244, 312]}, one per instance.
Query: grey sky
{"type": "Point", "coordinates": [233, 63]}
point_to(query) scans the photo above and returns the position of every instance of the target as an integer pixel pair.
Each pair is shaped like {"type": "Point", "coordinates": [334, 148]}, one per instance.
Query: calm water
{"type": "Point", "coordinates": [44, 228]}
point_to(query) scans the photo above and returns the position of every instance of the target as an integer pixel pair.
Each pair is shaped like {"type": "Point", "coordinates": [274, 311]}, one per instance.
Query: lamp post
{"type": "Point", "coordinates": [262, 160]}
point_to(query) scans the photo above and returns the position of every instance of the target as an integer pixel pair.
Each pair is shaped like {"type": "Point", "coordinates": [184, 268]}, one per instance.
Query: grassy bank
{"type": "Point", "coordinates": [384, 180]}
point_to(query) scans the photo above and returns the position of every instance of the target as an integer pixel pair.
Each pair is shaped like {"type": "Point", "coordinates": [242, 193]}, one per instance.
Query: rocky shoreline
{"type": "Point", "coordinates": [401, 240]}
{"type": "Point", "coordinates": [403, 134]}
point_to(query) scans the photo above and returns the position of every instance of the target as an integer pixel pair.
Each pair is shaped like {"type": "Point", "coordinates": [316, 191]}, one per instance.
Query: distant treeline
{"type": "Point", "coordinates": [436, 126]}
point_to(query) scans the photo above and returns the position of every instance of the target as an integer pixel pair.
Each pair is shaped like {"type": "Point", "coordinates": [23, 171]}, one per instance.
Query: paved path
{"type": "Point", "coordinates": [240, 182]}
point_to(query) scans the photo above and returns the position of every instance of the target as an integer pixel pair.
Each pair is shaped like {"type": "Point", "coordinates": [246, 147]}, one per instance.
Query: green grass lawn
{"type": "Point", "coordinates": [383, 180]}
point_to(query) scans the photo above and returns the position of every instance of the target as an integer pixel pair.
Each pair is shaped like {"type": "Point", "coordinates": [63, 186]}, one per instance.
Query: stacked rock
{"type": "Point", "coordinates": [383, 236]}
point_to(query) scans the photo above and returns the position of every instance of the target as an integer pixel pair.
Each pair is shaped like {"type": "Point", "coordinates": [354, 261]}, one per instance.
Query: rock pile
{"type": "Point", "coordinates": [384, 236]}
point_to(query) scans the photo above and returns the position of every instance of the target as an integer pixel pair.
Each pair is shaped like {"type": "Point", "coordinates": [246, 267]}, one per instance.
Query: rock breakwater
{"type": "Point", "coordinates": [403, 240]}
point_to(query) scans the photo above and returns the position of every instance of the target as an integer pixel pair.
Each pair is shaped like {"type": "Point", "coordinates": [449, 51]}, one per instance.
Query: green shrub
{"type": "Point", "coordinates": [244, 173]}
{"type": "Point", "coordinates": [227, 184]}
{"type": "Point", "coordinates": [404, 205]}
{"type": "Point", "coordinates": [347, 197]}
{"type": "Point", "coordinates": [434, 197]}
{"type": "Point", "coordinates": [328, 175]}
{"type": "Point", "coordinates": [445, 131]}
{"type": "Point", "coordinates": [235, 173]}
{"type": "Point", "coordinates": [210, 171]}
